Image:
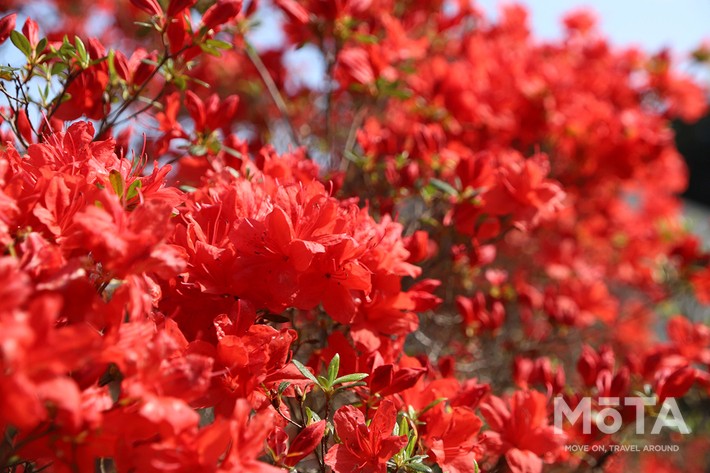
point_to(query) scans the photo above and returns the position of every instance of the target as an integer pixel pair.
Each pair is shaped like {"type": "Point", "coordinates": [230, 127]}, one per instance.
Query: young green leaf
{"type": "Point", "coordinates": [412, 443]}
{"type": "Point", "coordinates": [198, 150]}
{"type": "Point", "coordinates": [419, 467]}
{"type": "Point", "coordinates": [117, 183]}
{"type": "Point", "coordinates": [333, 368]}
{"type": "Point", "coordinates": [403, 426]}
{"type": "Point", "coordinates": [22, 43]}
{"type": "Point", "coordinates": [350, 378]}
{"type": "Point", "coordinates": [209, 49]}
{"type": "Point", "coordinates": [444, 187]}
{"type": "Point", "coordinates": [343, 387]}
{"type": "Point", "coordinates": [218, 44]}
{"type": "Point", "coordinates": [57, 68]}
{"type": "Point", "coordinates": [41, 45]}
{"type": "Point", "coordinates": [305, 371]}
{"type": "Point", "coordinates": [312, 416]}
{"type": "Point", "coordinates": [81, 52]}
{"type": "Point", "coordinates": [416, 463]}
{"type": "Point", "coordinates": [283, 386]}
{"type": "Point", "coordinates": [432, 404]}
{"type": "Point", "coordinates": [6, 73]}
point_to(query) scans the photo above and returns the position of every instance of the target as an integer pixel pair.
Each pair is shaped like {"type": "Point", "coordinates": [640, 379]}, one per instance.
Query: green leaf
{"type": "Point", "coordinates": [7, 73]}
{"type": "Point", "coordinates": [283, 386]}
{"type": "Point", "coordinates": [218, 44]}
{"type": "Point", "coordinates": [211, 50]}
{"type": "Point", "coordinates": [41, 45]}
{"type": "Point", "coordinates": [305, 371]}
{"type": "Point", "coordinates": [43, 92]}
{"type": "Point", "coordinates": [81, 52]}
{"type": "Point", "coordinates": [412, 443]}
{"type": "Point", "coordinates": [343, 387]}
{"type": "Point", "coordinates": [94, 62]}
{"type": "Point", "coordinates": [432, 404]}
{"type": "Point", "coordinates": [133, 189]}
{"type": "Point", "coordinates": [232, 152]}
{"type": "Point", "coordinates": [366, 38]}
{"type": "Point", "coordinates": [57, 68]}
{"type": "Point", "coordinates": [117, 183]}
{"type": "Point", "coordinates": [403, 426]}
{"type": "Point", "coordinates": [150, 62]}
{"type": "Point", "coordinates": [443, 186]}
{"type": "Point", "coordinates": [333, 368]}
{"type": "Point", "coordinates": [111, 64]}
{"type": "Point", "coordinates": [198, 150]}
{"type": "Point", "coordinates": [419, 467]}
{"type": "Point", "coordinates": [312, 415]}
{"type": "Point", "coordinates": [350, 378]}
{"type": "Point", "coordinates": [68, 54]}
{"type": "Point", "coordinates": [180, 82]}
{"type": "Point", "coordinates": [198, 82]}
{"type": "Point", "coordinates": [22, 43]}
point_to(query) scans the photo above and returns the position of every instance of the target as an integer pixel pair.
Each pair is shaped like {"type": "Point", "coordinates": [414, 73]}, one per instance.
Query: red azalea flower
{"type": "Point", "coordinates": [520, 430]}
{"type": "Point", "coordinates": [364, 448]}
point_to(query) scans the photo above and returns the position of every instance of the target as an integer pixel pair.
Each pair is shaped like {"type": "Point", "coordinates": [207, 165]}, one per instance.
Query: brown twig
{"type": "Point", "coordinates": [273, 90]}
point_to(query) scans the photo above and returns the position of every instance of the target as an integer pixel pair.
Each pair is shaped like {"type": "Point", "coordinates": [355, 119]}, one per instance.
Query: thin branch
{"type": "Point", "coordinates": [12, 120]}
{"type": "Point", "coordinates": [352, 135]}
{"type": "Point", "coordinates": [21, 85]}
{"type": "Point", "coordinates": [58, 101]}
{"type": "Point", "coordinates": [144, 108]}
{"type": "Point", "coordinates": [286, 418]}
{"type": "Point", "coordinates": [107, 124]}
{"type": "Point", "coordinates": [331, 58]}
{"type": "Point", "coordinates": [273, 90]}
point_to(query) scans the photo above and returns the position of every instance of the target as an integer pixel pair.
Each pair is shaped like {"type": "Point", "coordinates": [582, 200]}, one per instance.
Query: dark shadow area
{"type": "Point", "coordinates": [693, 142]}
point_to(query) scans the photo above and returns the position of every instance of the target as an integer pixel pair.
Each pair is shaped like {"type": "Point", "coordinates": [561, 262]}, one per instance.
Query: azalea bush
{"type": "Point", "coordinates": [386, 242]}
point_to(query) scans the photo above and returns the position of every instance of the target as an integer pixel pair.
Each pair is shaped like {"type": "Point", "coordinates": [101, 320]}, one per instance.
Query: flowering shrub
{"type": "Point", "coordinates": [209, 266]}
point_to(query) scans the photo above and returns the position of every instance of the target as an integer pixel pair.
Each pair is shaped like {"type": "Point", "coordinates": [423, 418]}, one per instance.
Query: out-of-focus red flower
{"type": "Point", "coordinates": [151, 7]}
{"type": "Point", "coordinates": [477, 314]}
{"type": "Point", "coordinates": [86, 90]}
{"type": "Point", "coordinates": [541, 370]}
{"type": "Point", "coordinates": [354, 65]}
{"type": "Point", "coordinates": [674, 383]}
{"type": "Point", "coordinates": [7, 25]}
{"type": "Point", "coordinates": [220, 13]}
{"type": "Point", "coordinates": [23, 126]}
{"type": "Point", "coordinates": [176, 7]}
{"type": "Point", "coordinates": [31, 31]}
{"type": "Point", "coordinates": [701, 285]}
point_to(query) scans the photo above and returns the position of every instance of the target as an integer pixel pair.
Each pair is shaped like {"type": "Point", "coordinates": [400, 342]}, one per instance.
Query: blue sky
{"type": "Point", "coordinates": [651, 24]}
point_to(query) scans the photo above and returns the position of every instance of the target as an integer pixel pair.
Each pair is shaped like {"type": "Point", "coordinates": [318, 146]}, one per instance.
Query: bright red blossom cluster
{"type": "Point", "coordinates": [183, 283]}
{"type": "Point", "coordinates": [392, 271]}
